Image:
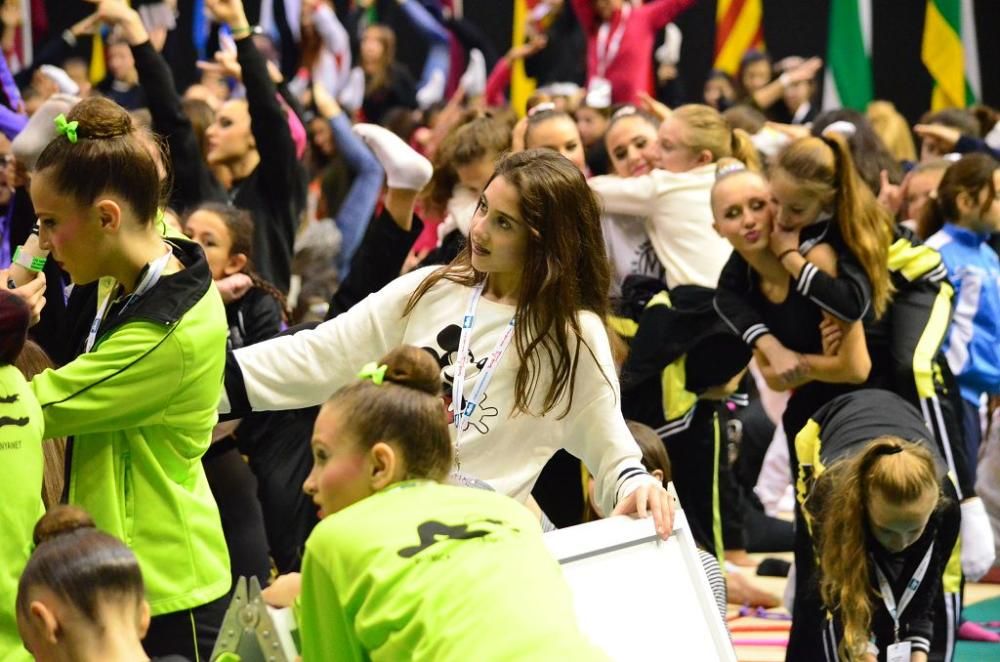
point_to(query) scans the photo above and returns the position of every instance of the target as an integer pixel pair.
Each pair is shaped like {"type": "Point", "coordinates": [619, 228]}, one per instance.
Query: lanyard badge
{"type": "Point", "coordinates": [153, 272]}
{"type": "Point", "coordinates": [462, 413]}
{"type": "Point", "coordinates": [895, 611]}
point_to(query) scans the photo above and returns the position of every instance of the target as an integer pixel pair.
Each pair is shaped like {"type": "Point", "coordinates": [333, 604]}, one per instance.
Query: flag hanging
{"type": "Point", "coordinates": [739, 27]}
{"type": "Point", "coordinates": [950, 53]}
{"type": "Point", "coordinates": [848, 77]}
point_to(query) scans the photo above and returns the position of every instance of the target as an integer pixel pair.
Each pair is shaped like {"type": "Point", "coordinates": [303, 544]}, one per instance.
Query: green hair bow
{"type": "Point", "coordinates": [67, 129]}
{"type": "Point", "coordinates": [374, 372]}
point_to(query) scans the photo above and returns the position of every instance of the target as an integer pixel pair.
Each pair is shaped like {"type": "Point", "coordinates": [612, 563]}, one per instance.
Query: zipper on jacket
{"type": "Point", "coordinates": [128, 490]}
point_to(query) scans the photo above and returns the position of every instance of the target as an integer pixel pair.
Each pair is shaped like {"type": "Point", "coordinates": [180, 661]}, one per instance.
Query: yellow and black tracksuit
{"type": "Point", "coordinates": [839, 430]}
{"type": "Point", "coordinates": [681, 349]}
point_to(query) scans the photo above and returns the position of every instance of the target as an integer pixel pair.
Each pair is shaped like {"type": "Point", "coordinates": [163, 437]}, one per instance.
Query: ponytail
{"type": "Point", "coordinates": [971, 174]}
{"type": "Point", "coordinates": [865, 225]}
{"type": "Point", "coordinates": [743, 149]}
{"type": "Point", "coordinates": [900, 471]}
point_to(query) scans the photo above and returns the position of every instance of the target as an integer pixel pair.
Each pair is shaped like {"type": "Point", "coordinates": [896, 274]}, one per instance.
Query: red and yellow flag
{"type": "Point", "coordinates": [739, 27]}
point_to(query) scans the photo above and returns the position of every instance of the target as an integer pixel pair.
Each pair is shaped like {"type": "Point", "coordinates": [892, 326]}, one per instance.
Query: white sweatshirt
{"type": "Point", "coordinates": [678, 213]}
{"type": "Point", "coordinates": [506, 451]}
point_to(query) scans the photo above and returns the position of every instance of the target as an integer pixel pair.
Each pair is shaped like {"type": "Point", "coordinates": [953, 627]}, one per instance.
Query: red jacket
{"type": "Point", "coordinates": [631, 70]}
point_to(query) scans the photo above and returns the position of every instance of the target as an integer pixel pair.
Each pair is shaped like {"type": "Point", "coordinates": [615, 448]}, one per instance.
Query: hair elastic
{"type": "Point", "coordinates": [843, 127]}
{"type": "Point", "coordinates": [374, 372]}
{"type": "Point", "coordinates": [729, 168]}
{"type": "Point", "coordinates": [541, 108]}
{"type": "Point", "coordinates": [890, 450]}
{"type": "Point", "coordinates": [67, 129]}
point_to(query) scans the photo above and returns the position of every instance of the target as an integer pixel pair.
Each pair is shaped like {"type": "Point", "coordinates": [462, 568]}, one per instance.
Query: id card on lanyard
{"type": "Point", "coordinates": [461, 414]}
{"type": "Point", "coordinates": [900, 651]}
{"type": "Point", "coordinates": [607, 49]}
{"type": "Point", "coordinates": [153, 272]}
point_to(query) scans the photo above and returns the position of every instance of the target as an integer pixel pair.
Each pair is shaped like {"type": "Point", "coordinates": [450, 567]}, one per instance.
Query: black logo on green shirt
{"type": "Point", "coordinates": [432, 532]}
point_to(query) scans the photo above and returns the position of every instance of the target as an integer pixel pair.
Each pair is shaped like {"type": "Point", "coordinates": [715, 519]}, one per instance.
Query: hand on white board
{"type": "Point", "coordinates": [650, 499]}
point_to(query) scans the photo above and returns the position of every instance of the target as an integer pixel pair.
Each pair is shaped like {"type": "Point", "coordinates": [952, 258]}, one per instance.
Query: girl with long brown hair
{"type": "Point", "coordinates": [523, 305]}
{"type": "Point", "coordinates": [878, 554]}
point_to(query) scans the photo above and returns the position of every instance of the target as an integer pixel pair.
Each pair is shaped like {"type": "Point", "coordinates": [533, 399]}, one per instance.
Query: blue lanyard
{"type": "Point", "coordinates": [461, 414]}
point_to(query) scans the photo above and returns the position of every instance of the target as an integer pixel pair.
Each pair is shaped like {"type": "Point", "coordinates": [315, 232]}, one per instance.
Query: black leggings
{"type": "Point", "coordinates": [190, 633]}
{"type": "Point", "coordinates": [703, 478]}
{"type": "Point", "coordinates": [235, 491]}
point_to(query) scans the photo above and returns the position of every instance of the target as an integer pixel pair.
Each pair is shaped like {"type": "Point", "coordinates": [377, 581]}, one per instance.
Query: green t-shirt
{"type": "Point", "coordinates": [21, 466]}
{"type": "Point", "coordinates": [422, 571]}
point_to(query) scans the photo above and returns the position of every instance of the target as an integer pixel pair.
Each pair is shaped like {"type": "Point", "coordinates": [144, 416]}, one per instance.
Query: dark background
{"type": "Point", "coordinates": [791, 27]}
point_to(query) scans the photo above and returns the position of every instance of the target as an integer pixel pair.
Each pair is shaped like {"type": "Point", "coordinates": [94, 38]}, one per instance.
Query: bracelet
{"type": "Point", "coordinates": [784, 253]}
{"type": "Point", "coordinates": [241, 31]}
{"type": "Point", "coordinates": [29, 262]}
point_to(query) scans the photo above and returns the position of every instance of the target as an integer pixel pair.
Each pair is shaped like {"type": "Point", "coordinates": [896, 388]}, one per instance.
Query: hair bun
{"type": "Point", "coordinates": [101, 118]}
{"type": "Point", "coordinates": [413, 368]}
{"type": "Point", "coordinates": [61, 520]}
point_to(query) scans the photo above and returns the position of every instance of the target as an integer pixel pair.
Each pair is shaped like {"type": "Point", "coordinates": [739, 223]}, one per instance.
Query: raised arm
{"type": "Point", "coordinates": [337, 42]}
{"type": "Point", "coordinates": [306, 368]}
{"type": "Point", "coordinates": [658, 13]}
{"type": "Point", "coordinates": [193, 183]}
{"type": "Point", "coordinates": [633, 196]}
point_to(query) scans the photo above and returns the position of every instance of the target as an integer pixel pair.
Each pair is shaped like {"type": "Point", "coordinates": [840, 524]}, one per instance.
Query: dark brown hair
{"type": "Point", "coordinates": [109, 156]}
{"type": "Point", "coordinates": [79, 564]}
{"type": "Point", "coordinates": [405, 410]}
{"type": "Point", "coordinates": [565, 272]}
{"type": "Point", "coordinates": [972, 173]}
{"type": "Point", "coordinates": [239, 224]}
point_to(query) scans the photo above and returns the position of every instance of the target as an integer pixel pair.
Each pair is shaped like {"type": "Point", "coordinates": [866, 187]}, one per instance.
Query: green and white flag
{"type": "Point", "coordinates": [848, 78]}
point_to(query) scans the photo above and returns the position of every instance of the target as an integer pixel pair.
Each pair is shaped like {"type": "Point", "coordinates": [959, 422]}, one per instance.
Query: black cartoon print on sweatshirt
{"type": "Point", "coordinates": [446, 355]}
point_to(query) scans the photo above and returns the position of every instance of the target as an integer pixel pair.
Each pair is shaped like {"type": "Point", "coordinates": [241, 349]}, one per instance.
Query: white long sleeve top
{"type": "Point", "coordinates": [504, 450]}
{"type": "Point", "coordinates": [677, 209]}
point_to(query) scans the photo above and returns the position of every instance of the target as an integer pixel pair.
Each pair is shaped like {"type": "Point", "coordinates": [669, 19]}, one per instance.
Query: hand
{"type": "Point", "coordinates": [233, 288]}
{"type": "Point", "coordinates": [325, 104]}
{"type": "Point", "coordinates": [793, 131]}
{"type": "Point", "coordinates": [832, 335]}
{"type": "Point", "coordinates": [225, 65]}
{"type": "Point", "coordinates": [651, 498]}
{"type": "Point", "coordinates": [86, 26]}
{"type": "Point", "coordinates": [789, 368]}
{"type": "Point", "coordinates": [10, 14]}
{"type": "Point", "coordinates": [413, 260]}
{"type": "Point", "coordinates": [890, 195]}
{"type": "Point", "coordinates": [32, 293]}
{"type": "Point", "coordinates": [978, 552]}
{"type": "Point", "coordinates": [229, 12]}
{"type": "Point", "coordinates": [805, 71]}
{"type": "Point", "coordinates": [283, 591]}
{"type": "Point", "coordinates": [116, 12]}
{"type": "Point", "coordinates": [654, 107]}
{"type": "Point", "coordinates": [944, 136]}
{"type": "Point", "coordinates": [517, 136]}
{"type": "Point", "coordinates": [533, 45]}
{"type": "Point", "coordinates": [783, 239]}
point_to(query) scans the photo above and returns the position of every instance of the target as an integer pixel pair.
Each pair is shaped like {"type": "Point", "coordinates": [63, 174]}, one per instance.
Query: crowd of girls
{"type": "Point", "coordinates": [334, 329]}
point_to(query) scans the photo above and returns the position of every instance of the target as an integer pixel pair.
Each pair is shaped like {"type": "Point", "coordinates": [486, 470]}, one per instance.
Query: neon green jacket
{"type": "Point", "coordinates": [141, 406]}
{"type": "Point", "coordinates": [21, 465]}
